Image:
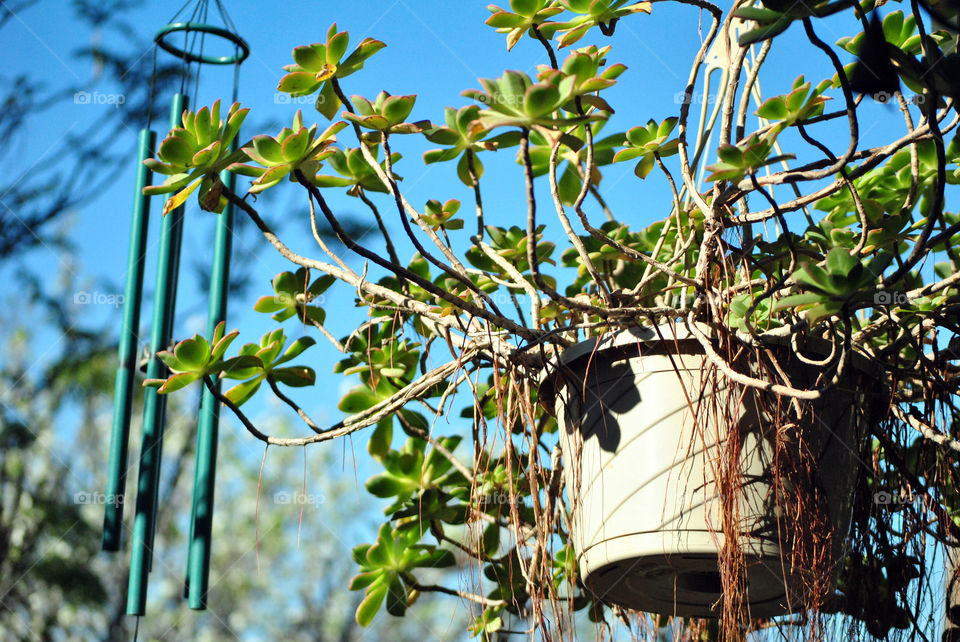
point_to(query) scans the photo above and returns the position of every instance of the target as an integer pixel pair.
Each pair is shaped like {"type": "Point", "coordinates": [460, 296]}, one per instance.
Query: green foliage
{"type": "Point", "coordinates": [377, 354]}
{"type": "Point", "coordinates": [384, 364]}
{"type": "Point", "coordinates": [386, 570]}
{"type": "Point", "coordinates": [489, 621]}
{"type": "Point", "coordinates": [293, 149]}
{"type": "Point", "coordinates": [842, 281]}
{"type": "Point", "coordinates": [618, 267]}
{"type": "Point", "coordinates": [355, 172]}
{"type": "Point", "coordinates": [263, 361]}
{"type": "Point", "coordinates": [525, 15]}
{"type": "Point", "coordinates": [738, 161]}
{"type": "Point", "coordinates": [293, 295]}
{"type": "Point", "coordinates": [194, 358]}
{"type": "Point", "coordinates": [385, 115]}
{"type": "Point", "coordinates": [410, 472]}
{"type": "Point", "coordinates": [901, 57]}
{"type": "Point", "coordinates": [740, 317]}
{"type": "Point", "coordinates": [573, 154]}
{"type": "Point", "coordinates": [509, 584]}
{"type": "Point", "coordinates": [592, 13]}
{"type": "Point", "coordinates": [193, 155]}
{"type": "Point", "coordinates": [583, 65]}
{"type": "Point", "coordinates": [464, 141]}
{"type": "Point", "coordinates": [511, 244]}
{"type": "Point", "coordinates": [775, 16]}
{"type": "Point", "coordinates": [898, 31]}
{"type": "Point", "coordinates": [513, 100]}
{"type": "Point", "coordinates": [646, 143]}
{"type": "Point", "coordinates": [798, 105]}
{"type": "Point", "coordinates": [440, 215]}
{"type": "Point", "coordinates": [832, 276]}
{"type": "Point", "coordinates": [889, 185]}
{"type": "Point", "coordinates": [317, 66]}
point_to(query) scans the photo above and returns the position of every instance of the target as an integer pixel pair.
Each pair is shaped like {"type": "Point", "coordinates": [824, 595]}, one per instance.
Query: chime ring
{"type": "Point", "coordinates": [199, 27]}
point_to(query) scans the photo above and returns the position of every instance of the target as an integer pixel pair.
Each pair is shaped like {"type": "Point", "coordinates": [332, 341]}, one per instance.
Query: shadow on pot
{"type": "Point", "coordinates": [610, 392]}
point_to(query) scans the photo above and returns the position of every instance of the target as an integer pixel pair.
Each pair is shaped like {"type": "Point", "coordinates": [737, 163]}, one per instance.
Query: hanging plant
{"type": "Point", "coordinates": [798, 309]}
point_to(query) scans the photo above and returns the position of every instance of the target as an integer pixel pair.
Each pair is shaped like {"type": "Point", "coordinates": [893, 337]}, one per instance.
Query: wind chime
{"type": "Point", "coordinates": [192, 34]}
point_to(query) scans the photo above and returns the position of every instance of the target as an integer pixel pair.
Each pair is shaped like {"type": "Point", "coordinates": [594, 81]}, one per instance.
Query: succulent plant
{"type": "Point", "coordinates": [799, 105]}
{"type": "Point", "coordinates": [738, 161]}
{"type": "Point", "coordinates": [294, 148]}
{"type": "Point", "coordinates": [584, 66]}
{"type": "Point", "coordinates": [293, 295]}
{"type": "Point", "coordinates": [196, 357]}
{"type": "Point", "coordinates": [192, 156]}
{"type": "Point", "coordinates": [440, 215]}
{"type": "Point", "coordinates": [264, 362]}
{"type": "Point", "coordinates": [317, 65]}
{"type": "Point", "coordinates": [384, 115]}
{"type": "Point", "coordinates": [853, 246]}
{"type": "Point", "coordinates": [464, 141]}
{"type": "Point", "coordinates": [355, 172]}
{"type": "Point", "coordinates": [513, 100]}
{"type": "Point", "coordinates": [385, 567]}
{"type": "Point", "coordinates": [525, 15]}
{"type": "Point", "coordinates": [593, 13]}
{"type": "Point", "coordinates": [648, 142]}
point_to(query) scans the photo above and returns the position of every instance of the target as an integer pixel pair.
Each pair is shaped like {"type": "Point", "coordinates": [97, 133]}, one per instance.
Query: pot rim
{"type": "Point", "coordinates": [680, 335]}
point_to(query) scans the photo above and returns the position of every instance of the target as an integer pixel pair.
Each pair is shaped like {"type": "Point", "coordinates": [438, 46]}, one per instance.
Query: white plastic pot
{"type": "Point", "coordinates": [642, 429]}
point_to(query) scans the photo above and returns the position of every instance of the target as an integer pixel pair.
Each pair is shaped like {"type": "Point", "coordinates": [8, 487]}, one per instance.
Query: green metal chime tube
{"type": "Point", "coordinates": [201, 519]}
{"type": "Point", "coordinates": [154, 405]}
{"type": "Point", "coordinates": [173, 270]}
{"type": "Point", "coordinates": [127, 351]}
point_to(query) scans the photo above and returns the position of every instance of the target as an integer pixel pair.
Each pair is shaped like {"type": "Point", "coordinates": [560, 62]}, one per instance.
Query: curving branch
{"type": "Point", "coordinates": [354, 422]}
